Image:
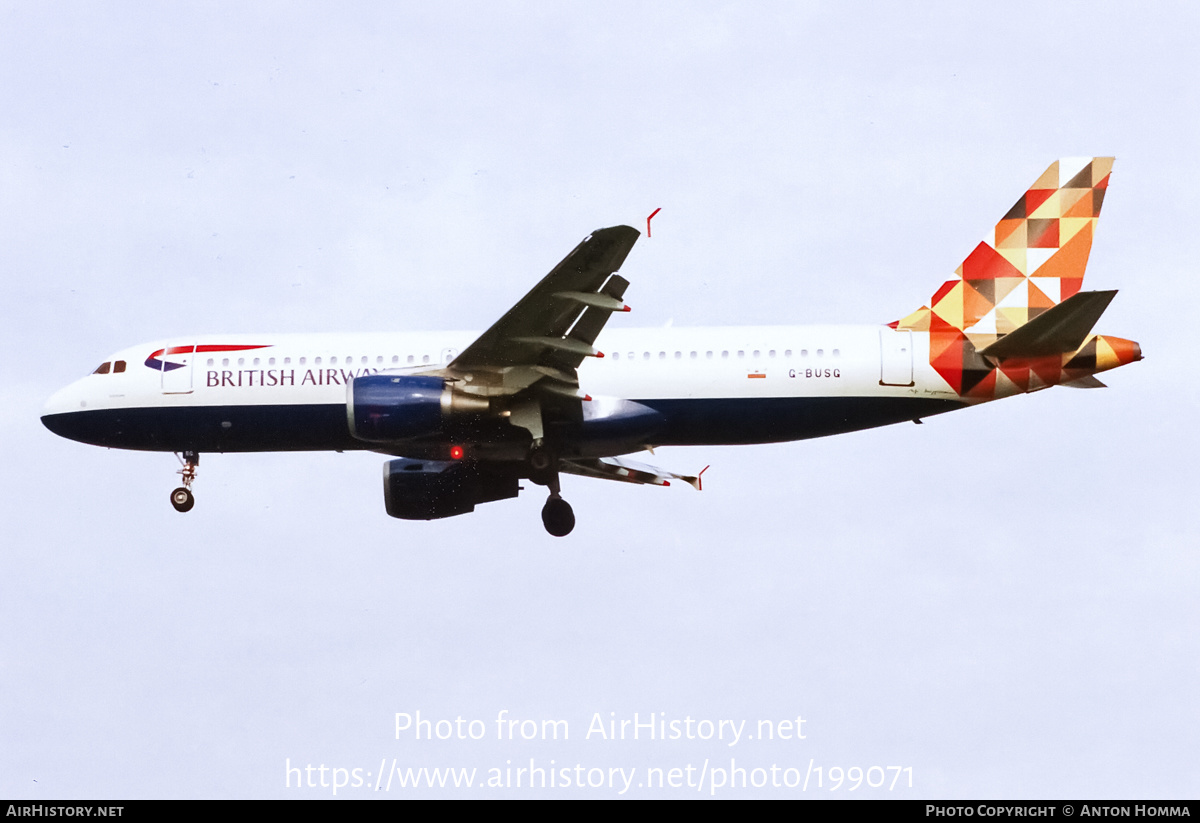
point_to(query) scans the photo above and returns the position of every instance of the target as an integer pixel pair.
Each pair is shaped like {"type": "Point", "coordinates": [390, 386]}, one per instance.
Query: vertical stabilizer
{"type": "Point", "coordinates": [1030, 262]}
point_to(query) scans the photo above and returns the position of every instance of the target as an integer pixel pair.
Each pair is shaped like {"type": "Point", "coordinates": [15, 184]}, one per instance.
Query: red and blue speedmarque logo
{"type": "Point", "coordinates": [155, 362]}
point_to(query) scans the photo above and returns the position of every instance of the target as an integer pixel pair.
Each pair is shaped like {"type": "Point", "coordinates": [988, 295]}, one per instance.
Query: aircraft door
{"type": "Point", "coordinates": [177, 369]}
{"type": "Point", "coordinates": [895, 357]}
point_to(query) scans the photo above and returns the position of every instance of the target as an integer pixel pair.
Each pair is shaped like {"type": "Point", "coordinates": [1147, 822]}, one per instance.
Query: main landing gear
{"type": "Point", "coordinates": [182, 498]}
{"type": "Point", "coordinates": [557, 516]}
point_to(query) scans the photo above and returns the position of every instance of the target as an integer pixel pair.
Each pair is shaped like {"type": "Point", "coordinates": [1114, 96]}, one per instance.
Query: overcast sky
{"type": "Point", "coordinates": [1003, 599]}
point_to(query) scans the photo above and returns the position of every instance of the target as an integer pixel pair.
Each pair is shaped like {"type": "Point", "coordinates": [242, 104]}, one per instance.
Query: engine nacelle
{"type": "Point", "coordinates": [387, 408]}
{"type": "Point", "coordinates": [431, 489]}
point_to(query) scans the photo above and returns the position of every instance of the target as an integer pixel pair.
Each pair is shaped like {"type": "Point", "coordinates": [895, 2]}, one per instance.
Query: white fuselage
{"type": "Point", "coordinates": [721, 385]}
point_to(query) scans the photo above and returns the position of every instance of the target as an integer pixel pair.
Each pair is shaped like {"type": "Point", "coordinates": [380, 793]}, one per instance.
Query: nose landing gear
{"type": "Point", "coordinates": [182, 498]}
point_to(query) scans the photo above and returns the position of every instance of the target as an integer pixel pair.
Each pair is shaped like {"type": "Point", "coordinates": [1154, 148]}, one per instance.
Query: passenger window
{"type": "Point", "coordinates": [211, 362]}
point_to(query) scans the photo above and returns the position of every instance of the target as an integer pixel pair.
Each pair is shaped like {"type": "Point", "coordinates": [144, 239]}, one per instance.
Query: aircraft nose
{"type": "Point", "coordinates": [62, 401]}
{"type": "Point", "coordinates": [56, 413]}
{"type": "Point", "coordinates": [57, 424]}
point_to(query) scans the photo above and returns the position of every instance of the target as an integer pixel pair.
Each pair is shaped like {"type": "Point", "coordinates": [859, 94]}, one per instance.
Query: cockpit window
{"type": "Point", "coordinates": [118, 366]}
{"type": "Point", "coordinates": [103, 368]}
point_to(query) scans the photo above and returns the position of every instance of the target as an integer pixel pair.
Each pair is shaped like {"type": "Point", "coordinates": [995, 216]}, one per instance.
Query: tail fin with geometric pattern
{"type": "Point", "coordinates": [1032, 260]}
{"type": "Point", "coordinates": [1031, 263]}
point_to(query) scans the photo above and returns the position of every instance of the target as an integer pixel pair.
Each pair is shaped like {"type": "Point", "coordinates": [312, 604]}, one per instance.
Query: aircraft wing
{"type": "Point", "coordinates": [627, 471]}
{"type": "Point", "coordinates": [546, 335]}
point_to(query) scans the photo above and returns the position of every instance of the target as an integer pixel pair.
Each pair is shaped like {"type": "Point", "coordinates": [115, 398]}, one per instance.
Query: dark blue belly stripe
{"type": "Point", "coordinates": [323, 427]}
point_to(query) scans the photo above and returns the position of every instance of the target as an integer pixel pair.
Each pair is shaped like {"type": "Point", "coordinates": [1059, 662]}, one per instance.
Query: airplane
{"type": "Point", "coordinates": [468, 416]}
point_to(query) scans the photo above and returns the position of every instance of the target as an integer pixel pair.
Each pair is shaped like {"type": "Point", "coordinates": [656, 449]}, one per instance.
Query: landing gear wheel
{"type": "Point", "coordinates": [557, 517]}
{"type": "Point", "coordinates": [182, 499]}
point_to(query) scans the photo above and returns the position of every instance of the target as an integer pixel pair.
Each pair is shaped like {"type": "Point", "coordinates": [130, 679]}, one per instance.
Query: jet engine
{"type": "Point", "coordinates": [432, 489]}
{"type": "Point", "coordinates": [386, 408]}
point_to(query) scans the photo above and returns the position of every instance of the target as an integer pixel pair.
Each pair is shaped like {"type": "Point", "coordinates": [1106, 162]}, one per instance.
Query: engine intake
{"type": "Point", "coordinates": [386, 408]}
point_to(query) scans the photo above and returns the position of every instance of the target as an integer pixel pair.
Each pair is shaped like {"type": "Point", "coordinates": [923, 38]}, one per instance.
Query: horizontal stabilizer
{"type": "Point", "coordinates": [1086, 382]}
{"type": "Point", "coordinates": [627, 471]}
{"type": "Point", "coordinates": [1059, 329]}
